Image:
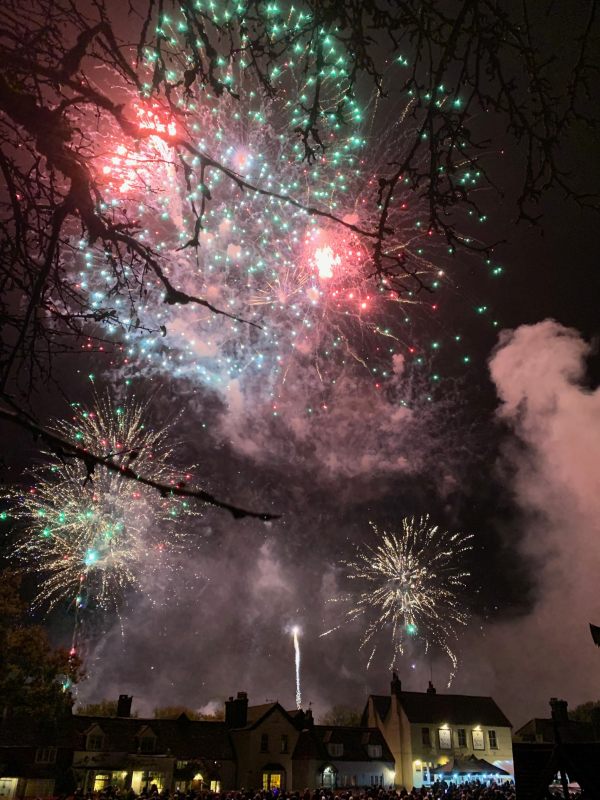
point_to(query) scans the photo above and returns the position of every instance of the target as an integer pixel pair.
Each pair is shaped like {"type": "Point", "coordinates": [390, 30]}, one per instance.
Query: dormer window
{"type": "Point", "coordinates": [146, 740]}
{"type": "Point", "coordinates": [45, 755]}
{"type": "Point", "coordinates": [374, 750]}
{"type": "Point", "coordinates": [95, 740]}
{"type": "Point", "coordinates": [335, 749]}
{"type": "Point", "coordinates": [147, 744]}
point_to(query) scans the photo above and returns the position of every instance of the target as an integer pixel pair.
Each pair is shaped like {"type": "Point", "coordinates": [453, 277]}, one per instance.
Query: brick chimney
{"type": "Point", "coordinates": [236, 711]}
{"type": "Point", "coordinates": [124, 705]}
{"type": "Point", "coordinates": [396, 684]}
{"type": "Point", "coordinates": [560, 713]}
{"type": "Point", "coordinates": [431, 688]}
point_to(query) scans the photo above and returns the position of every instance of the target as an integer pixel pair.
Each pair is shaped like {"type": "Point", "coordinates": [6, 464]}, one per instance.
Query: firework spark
{"type": "Point", "coordinates": [94, 536]}
{"type": "Point", "coordinates": [410, 584]}
{"type": "Point", "coordinates": [295, 634]}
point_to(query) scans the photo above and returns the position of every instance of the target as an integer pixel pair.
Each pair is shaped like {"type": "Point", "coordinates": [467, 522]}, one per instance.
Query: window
{"type": "Point", "coordinates": [182, 764]}
{"type": "Point", "coordinates": [478, 740]}
{"type": "Point", "coordinates": [493, 740]}
{"type": "Point", "coordinates": [284, 743]}
{"type": "Point", "coordinates": [445, 735]}
{"type": "Point", "coordinates": [425, 737]}
{"type": "Point", "coordinates": [335, 749]}
{"type": "Point", "coordinates": [462, 737]}
{"type": "Point", "coordinates": [147, 744]}
{"type": "Point", "coordinates": [264, 743]}
{"type": "Point", "coordinates": [271, 780]}
{"type": "Point", "coordinates": [215, 786]}
{"type": "Point", "coordinates": [102, 781]}
{"type": "Point", "coordinates": [95, 741]}
{"type": "Point", "coordinates": [45, 755]}
{"type": "Point", "coordinates": [374, 750]}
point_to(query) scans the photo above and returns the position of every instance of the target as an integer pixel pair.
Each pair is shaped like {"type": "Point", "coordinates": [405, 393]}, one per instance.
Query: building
{"type": "Point", "coordinates": [38, 760]}
{"type": "Point", "coordinates": [434, 736]}
{"type": "Point", "coordinates": [35, 759]}
{"type": "Point", "coordinates": [545, 729]}
{"type": "Point", "coordinates": [261, 746]}
{"type": "Point", "coordinates": [339, 757]}
{"type": "Point", "coordinates": [557, 753]}
{"type": "Point", "coordinates": [283, 749]}
{"type": "Point", "coordinates": [264, 738]}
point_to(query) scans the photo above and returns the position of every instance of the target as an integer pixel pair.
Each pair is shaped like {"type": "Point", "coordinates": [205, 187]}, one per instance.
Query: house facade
{"type": "Point", "coordinates": [254, 747]}
{"type": "Point", "coordinates": [341, 757]}
{"type": "Point", "coordinates": [433, 736]}
{"type": "Point", "coordinates": [279, 749]}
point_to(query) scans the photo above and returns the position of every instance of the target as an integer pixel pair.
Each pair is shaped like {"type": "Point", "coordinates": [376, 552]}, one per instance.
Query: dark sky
{"type": "Point", "coordinates": [525, 484]}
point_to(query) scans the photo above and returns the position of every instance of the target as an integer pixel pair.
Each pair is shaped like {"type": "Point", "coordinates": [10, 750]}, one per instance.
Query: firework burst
{"type": "Point", "coordinates": [93, 536]}
{"type": "Point", "coordinates": [409, 586]}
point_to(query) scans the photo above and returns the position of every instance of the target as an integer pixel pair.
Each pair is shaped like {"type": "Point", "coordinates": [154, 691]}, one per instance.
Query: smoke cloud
{"type": "Point", "coordinates": [552, 463]}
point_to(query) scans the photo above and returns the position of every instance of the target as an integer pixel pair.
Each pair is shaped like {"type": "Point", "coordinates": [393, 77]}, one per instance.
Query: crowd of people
{"type": "Point", "coordinates": [441, 790]}
{"type": "Point", "coordinates": [473, 790]}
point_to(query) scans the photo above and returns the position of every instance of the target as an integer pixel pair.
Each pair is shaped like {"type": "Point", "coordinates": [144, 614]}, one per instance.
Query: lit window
{"type": "Point", "coordinates": [445, 735]}
{"type": "Point", "coordinates": [335, 749]}
{"type": "Point", "coordinates": [462, 737]}
{"type": "Point", "coordinates": [271, 780]}
{"type": "Point", "coordinates": [215, 786]}
{"type": "Point", "coordinates": [478, 740]}
{"type": "Point", "coordinates": [45, 755]}
{"type": "Point", "coordinates": [264, 743]}
{"type": "Point", "coordinates": [493, 740]}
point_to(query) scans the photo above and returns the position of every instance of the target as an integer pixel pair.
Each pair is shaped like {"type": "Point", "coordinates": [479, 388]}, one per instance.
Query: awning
{"type": "Point", "coordinates": [469, 766]}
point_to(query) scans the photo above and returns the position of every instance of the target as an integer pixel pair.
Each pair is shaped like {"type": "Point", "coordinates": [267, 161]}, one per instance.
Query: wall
{"type": "Point", "coordinates": [250, 758]}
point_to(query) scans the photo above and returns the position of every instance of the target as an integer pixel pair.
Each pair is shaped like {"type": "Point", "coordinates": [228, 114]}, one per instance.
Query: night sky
{"type": "Point", "coordinates": [507, 449]}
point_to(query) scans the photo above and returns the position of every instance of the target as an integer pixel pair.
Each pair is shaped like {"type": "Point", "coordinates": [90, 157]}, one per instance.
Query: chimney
{"type": "Point", "coordinates": [236, 711]}
{"type": "Point", "coordinates": [308, 719]}
{"type": "Point", "coordinates": [124, 705]}
{"type": "Point", "coordinates": [560, 714]}
{"type": "Point", "coordinates": [396, 685]}
{"type": "Point", "coordinates": [431, 688]}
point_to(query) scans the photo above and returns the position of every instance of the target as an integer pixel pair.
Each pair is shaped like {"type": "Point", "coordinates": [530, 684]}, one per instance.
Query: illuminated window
{"type": "Point", "coordinates": [335, 749]}
{"type": "Point", "coordinates": [45, 755]}
{"type": "Point", "coordinates": [478, 740]}
{"type": "Point", "coordinates": [101, 782]}
{"type": "Point", "coordinates": [215, 786]}
{"type": "Point", "coordinates": [425, 737]}
{"type": "Point", "coordinates": [329, 779]}
{"type": "Point", "coordinates": [462, 737]}
{"type": "Point", "coordinates": [445, 735]}
{"type": "Point", "coordinates": [264, 743]}
{"type": "Point", "coordinates": [271, 780]}
{"type": "Point", "coordinates": [284, 743]}
{"type": "Point", "coordinates": [493, 740]}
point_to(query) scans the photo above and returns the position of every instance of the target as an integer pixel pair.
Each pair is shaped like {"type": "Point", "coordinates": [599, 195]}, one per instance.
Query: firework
{"type": "Point", "coordinates": [296, 634]}
{"type": "Point", "coordinates": [409, 587]}
{"type": "Point", "coordinates": [93, 536]}
{"type": "Point", "coordinates": [304, 278]}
